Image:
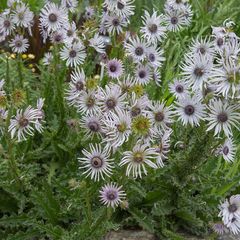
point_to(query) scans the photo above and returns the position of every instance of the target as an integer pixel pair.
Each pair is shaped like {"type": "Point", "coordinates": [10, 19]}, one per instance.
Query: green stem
{"type": "Point", "coordinates": [20, 75]}
{"type": "Point", "coordinates": [89, 209]}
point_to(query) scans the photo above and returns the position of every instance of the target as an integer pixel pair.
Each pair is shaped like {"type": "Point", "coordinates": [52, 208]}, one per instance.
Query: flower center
{"type": "Point", "coordinates": [21, 15]}
{"type": "Point", "coordinates": [138, 157]}
{"type": "Point", "coordinates": [139, 51]}
{"type": "Point", "coordinates": [115, 22]}
{"type": "Point", "coordinates": [141, 125]}
{"type": "Point", "coordinates": [111, 104]}
{"type": "Point", "coordinates": [120, 5]}
{"type": "Point", "coordinates": [153, 28]}
{"type": "Point", "coordinates": [113, 68]}
{"type": "Point", "coordinates": [52, 17]}
{"type": "Point", "coordinates": [69, 33]}
{"type": "Point", "coordinates": [222, 117]}
{"type": "Point", "coordinates": [72, 53]}
{"type": "Point", "coordinates": [90, 102]}
{"type": "Point", "coordinates": [135, 111]}
{"type": "Point", "coordinates": [96, 162]}
{"type": "Point", "coordinates": [93, 126]}
{"type": "Point", "coordinates": [174, 20]}
{"type": "Point", "coordinates": [6, 23]}
{"type": "Point", "coordinates": [202, 50]}
{"type": "Point", "coordinates": [23, 122]}
{"type": "Point", "coordinates": [151, 57]}
{"type": "Point", "coordinates": [142, 74]}
{"type": "Point", "coordinates": [121, 127]}
{"type": "Point", "coordinates": [18, 43]}
{"type": "Point", "coordinates": [198, 72]}
{"type": "Point", "coordinates": [189, 110]}
{"type": "Point", "coordinates": [232, 208]}
{"type": "Point", "coordinates": [79, 85]}
{"type": "Point", "coordinates": [226, 150]}
{"type": "Point", "coordinates": [179, 88]}
{"type": "Point", "coordinates": [159, 116]}
{"type": "Point", "coordinates": [220, 42]}
{"type": "Point", "coordinates": [111, 195]}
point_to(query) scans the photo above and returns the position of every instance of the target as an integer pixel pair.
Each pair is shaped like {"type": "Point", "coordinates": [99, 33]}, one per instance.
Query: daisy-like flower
{"type": "Point", "coordinates": [53, 17]}
{"type": "Point", "coordinates": [138, 106]}
{"type": "Point", "coordinates": [179, 88]}
{"type": "Point", "coordinates": [58, 37]}
{"type": "Point", "coordinates": [111, 98]}
{"type": "Point", "coordinates": [89, 12]}
{"type": "Point", "coordinates": [127, 83]}
{"type": "Point", "coordinates": [98, 43]}
{"type": "Point", "coordinates": [3, 118]}
{"type": "Point", "coordinates": [6, 24]}
{"type": "Point", "coordinates": [40, 115]}
{"type": "Point", "coordinates": [155, 56]}
{"type": "Point", "coordinates": [112, 195]}
{"type": "Point", "coordinates": [88, 103]}
{"type": "Point", "coordinates": [136, 160]}
{"type": "Point", "coordinates": [156, 75]}
{"type": "Point", "coordinates": [202, 46]}
{"type": "Point", "coordinates": [136, 48]}
{"type": "Point", "coordinates": [71, 5]}
{"type": "Point", "coordinates": [160, 115]}
{"type": "Point", "coordinates": [118, 128]}
{"type": "Point", "coordinates": [163, 146]}
{"type": "Point", "coordinates": [115, 24]}
{"type": "Point", "coordinates": [234, 226]}
{"type": "Point", "coordinates": [153, 29]}
{"type": "Point", "coordinates": [222, 116]}
{"type": "Point", "coordinates": [47, 59]}
{"type": "Point", "coordinates": [92, 125]}
{"type": "Point", "coordinates": [124, 8]}
{"type": "Point", "coordinates": [143, 74]}
{"type": "Point", "coordinates": [22, 16]}
{"type": "Point", "coordinates": [96, 162]}
{"type": "Point", "coordinates": [219, 228]}
{"type": "Point", "coordinates": [114, 68]}
{"type": "Point", "coordinates": [70, 32]}
{"type": "Point", "coordinates": [175, 19]}
{"type": "Point", "coordinates": [23, 123]}
{"type": "Point", "coordinates": [190, 110]}
{"type": "Point", "coordinates": [76, 86]}
{"type": "Point", "coordinates": [110, 4]}
{"type": "Point", "coordinates": [197, 70]}
{"type": "Point", "coordinates": [230, 209]}
{"type": "Point", "coordinates": [228, 150]}
{"type": "Point", "coordinates": [19, 44]}
{"type": "Point", "coordinates": [74, 54]}
{"type": "Point", "coordinates": [226, 77]}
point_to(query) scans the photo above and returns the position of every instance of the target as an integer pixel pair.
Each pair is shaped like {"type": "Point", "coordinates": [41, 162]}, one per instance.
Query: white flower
{"type": "Point", "coordinates": [111, 98]}
{"type": "Point", "coordinates": [88, 103]}
{"type": "Point", "coordinates": [136, 159]}
{"type": "Point", "coordinates": [53, 17]}
{"type": "Point", "coordinates": [58, 37]}
{"type": "Point", "coordinates": [114, 24]}
{"type": "Point", "coordinates": [23, 123]}
{"type": "Point", "coordinates": [136, 48]}
{"type": "Point", "coordinates": [6, 24]}
{"type": "Point", "coordinates": [19, 44]}
{"type": "Point", "coordinates": [89, 12]}
{"type": "Point", "coordinates": [71, 5]}
{"type": "Point", "coordinates": [76, 86]}
{"type": "Point", "coordinates": [202, 46]}
{"type": "Point", "coordinates": [115, 68]}
{"type": "Point", "coordinates": [230, 209]}
{"type": "Point", "coordinates": [97, 42]}
{"type": "Point", "coordinates": [118, 128]}
{"type": "Point", "coordinates": [22, 16]}
{"type": "Point", "coordinates": [74, 54]}
{"type": "Point", "coordinates": [228, 150]}
{"type": "Point", "coordinates": [160, 115]}
{"type": "Point", "coordinates": [124, 8]}
{"type": "Point", "coordinates": [153, 29]}
{"type": "Point", "coordinates": [96, 162]}
{"type": "Point", "coordinates": [47, 59]}
{"type": "Point", "coordinates": [179, 88]}
{"type": "Point", "coordinates": [234, 226]}
{"type": "Point", "coordinates": [190, 110]}
{"type": "Point", "coordinates": [40, 115]}
{"type": "Point", "coordinates": [197, 70]}
{"type": "Point", "coordinates": [143, 74]}
{"type": "Point", "coordinates": [222, 116]}
{"type": "Point", "coordinates": [155, 56]}
{"type": "Point", "coordinates": [71, 32]}
{"type": "Point", "coordinates": [112, 195]}
{"type": "Point", "coordinates": [138, 106]}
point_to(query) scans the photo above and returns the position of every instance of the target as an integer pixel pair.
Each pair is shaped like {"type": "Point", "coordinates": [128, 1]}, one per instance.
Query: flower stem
{"type": "Point", "coordinates": [19, 67]}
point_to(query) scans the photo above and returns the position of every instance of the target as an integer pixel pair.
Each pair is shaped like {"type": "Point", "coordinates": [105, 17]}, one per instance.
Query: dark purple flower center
{"type": "Point", "coordinates": [52, 17]}
{"type": "Point", "coordinates": [111, 195]}
{"type": "Point", "coordinates": [189, 110]}
{"type": "Point", "coordinates": [222, 117]}
{"type": "Point", "coordinates": [151, 57]}
{"type": "Point", "coordinates": [113, 68]}
{"type": "Point", "coordinates": [174, 20]}
{"type": "Point", "coordinates": [111, 103]}
{"type": "Point", "coordinates": [90, 102]}
{"type": "Point", "coordinates": [232, 208]}
{"type": "Point", "coordinates": [198, 72]}
{"type": "Point", "coordinates": [79, 85]}
{"type": "Point", "coordinates": [179, 88]}
{"type": "Point", "coordinates": [135, 111]}
{"type": "Point", "coordinates": [220, 42]}
{"type": "Point", "coordinates": [96, 162]}
{"type": "Point", "coordinates": [72, 53]}
{"type": "Point", "coordinates": [58, 38]}
{"type": "Point", "coordinates": [159, 116]}
{"type": "Point", "coordinates": [139, 51]}
{"type": "Point", "coordinates": [153, 28]}
{"type": "Point", "coordinates": [202, 50]}
{"type": "Point", "coordinates": [93, 126]}
{"type": "Point", "coordinates": [69, 32]}
{"type": "Point", "coordinates": [142, 74]}
{"type": "Point", "coordinates": [7, 23]}
{"type": "Point", "coordinates": [226, 150]}
{"type": "Point", "coordinates": [115, 22]}
{"type": "Point", "coordinates": [18, 43]}
{"type": "Point", "coordinates": [120, 5]}
{"type": "Point", "coordinates": [23, 122]}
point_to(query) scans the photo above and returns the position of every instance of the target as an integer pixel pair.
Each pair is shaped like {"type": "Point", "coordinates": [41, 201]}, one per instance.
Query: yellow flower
{"type": "Point", "coordinates": [141, 125]}
{"type": "Point", "coordinates": [24, 56]}
{"type": "Point", "coordinates": [13, 55]}
{"type": "Point", "coordinates": [31, 56]}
